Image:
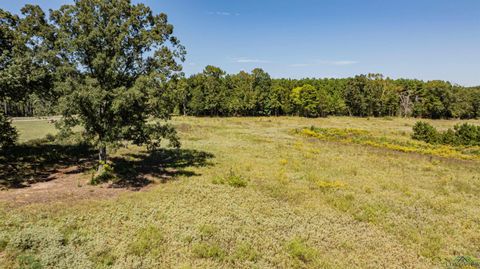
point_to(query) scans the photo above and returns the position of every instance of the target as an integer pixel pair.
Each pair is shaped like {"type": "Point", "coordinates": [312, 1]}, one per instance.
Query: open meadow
{"type": "Point", "coordinates": [252, 193]}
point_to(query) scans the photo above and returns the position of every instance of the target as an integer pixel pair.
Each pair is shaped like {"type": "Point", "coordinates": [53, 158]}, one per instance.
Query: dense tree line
{"type": "Point", "coordinates": [215, 93]}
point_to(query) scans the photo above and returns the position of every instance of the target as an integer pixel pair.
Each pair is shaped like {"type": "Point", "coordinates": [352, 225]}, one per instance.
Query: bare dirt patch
{"type": "Point", "coordinates": [63, 186]}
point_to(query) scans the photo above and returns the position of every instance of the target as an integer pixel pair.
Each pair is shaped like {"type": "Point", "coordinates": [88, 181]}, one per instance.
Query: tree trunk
{"type": "Point", "coordinates": [102, 155]}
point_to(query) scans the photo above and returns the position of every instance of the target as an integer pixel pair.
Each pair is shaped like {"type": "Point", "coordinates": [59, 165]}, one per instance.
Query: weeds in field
{"type": "Point", "coordinates": [362, 137]}
{"type": "Point", "coordinates": [298, 249]}
{"type": "Point", "coordinates": [232, 179]}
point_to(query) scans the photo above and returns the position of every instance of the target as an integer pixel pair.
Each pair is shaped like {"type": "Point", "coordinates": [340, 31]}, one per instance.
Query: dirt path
{"type": "Point", "coordinates": [64, 186]}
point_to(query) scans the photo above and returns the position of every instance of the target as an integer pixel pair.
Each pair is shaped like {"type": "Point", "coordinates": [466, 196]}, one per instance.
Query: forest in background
{"type": "Point", "coordinates": [216, 93]}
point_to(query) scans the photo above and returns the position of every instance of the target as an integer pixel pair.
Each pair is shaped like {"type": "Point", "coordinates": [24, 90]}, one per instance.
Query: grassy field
{"type": "Point", "coordinates": [269, 197]}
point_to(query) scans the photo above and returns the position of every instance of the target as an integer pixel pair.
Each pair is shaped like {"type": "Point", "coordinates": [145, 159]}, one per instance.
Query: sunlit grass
{"type": "Point", "coordinates": [303, 202]}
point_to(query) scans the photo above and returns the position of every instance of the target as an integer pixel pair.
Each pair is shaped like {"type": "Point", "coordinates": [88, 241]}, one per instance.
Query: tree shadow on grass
{"type": "Point", "coordinates": [27, 164]}
{"type": "Point", "coordinates": [31, 163]}
{"type": "Point", "coordinates": [136, 170]}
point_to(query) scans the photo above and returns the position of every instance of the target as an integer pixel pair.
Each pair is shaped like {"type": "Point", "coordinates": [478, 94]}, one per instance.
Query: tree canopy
{"type": "Point", "coordinates": [116, 61]}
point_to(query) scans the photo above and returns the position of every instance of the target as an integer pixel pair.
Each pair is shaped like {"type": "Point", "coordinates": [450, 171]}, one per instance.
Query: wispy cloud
{"type": "Point", "coordinates": [300, 65]}
{"type": "Point", "coordinates": [223, 13]}
{"type": "Point", "coordinates": [249, 60]}
{"type": "Point", "coordinates": [336, 63]}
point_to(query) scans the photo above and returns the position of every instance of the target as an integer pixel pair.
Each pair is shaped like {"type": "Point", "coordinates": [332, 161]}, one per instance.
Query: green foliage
{"type": "Point", "coordinates": [8, 134]}
{"type": "Point", "coordinates": [106, 88]}
{"type": "Point", "coordinates": [425, 132]}
{"type": "Point", "coordinates": [467, 134]}
{"type": "Point", "coordinates": [215, 93]}
{"type": "Point", "coordinates": [103, 174]}
{"type": "Point", "coordinates": [462, 134]}
{"type": "Point", "coordinates": [363, 137]}
{"type": "Point", "coordinates": [463, 262]}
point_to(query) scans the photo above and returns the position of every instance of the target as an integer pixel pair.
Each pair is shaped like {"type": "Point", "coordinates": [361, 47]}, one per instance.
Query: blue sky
{"type": "Point", "coordinates": [424, 39]}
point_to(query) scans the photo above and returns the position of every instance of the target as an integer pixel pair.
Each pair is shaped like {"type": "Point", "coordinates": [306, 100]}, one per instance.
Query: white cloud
{"type": "Point", "coordinates": [336, 63]}
{"type": "Point", "coordinates": [300, 65]}
{"type": "Point", "coordinates": [249, 60]}
{"type": "Point", "coordinates": [222, 13]}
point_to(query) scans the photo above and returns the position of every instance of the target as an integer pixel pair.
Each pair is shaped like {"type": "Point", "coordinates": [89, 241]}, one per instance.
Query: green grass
{"type": "Point", "coordinates": [295, 201]}
{"type": "Point", "coordinates": [33, 128]}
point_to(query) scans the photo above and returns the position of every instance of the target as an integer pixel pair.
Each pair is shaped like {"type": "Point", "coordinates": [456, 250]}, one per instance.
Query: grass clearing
{"type": "Point", "coordinates": [308, 203]}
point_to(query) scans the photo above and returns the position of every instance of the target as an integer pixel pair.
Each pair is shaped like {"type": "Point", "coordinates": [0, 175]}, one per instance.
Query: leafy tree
{"type": "Point", "coordinates": [310, 101]}
{"type": "Point", "coordinates": [209, 92]}
{"type": "Point", "coordinates": [436, 99]}
{"type": "Point", "coordinates": [24, 48]}
{"type": "Point", "coordinates": [117, 60]}
{"type": "Point", "coordinates": [262, 84]}
{"type": "Point", "coordinates": [355, 97]}
{"type": "Point", "coordinates": [276, 99]}
{"type": "Point", "coordinates": [8, 134]}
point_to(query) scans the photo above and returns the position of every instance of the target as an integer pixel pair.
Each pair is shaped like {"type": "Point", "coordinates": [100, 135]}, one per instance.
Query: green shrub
{"type": "Point", "coordinates": [467, 134]}
{"type": "Point", "coordinates": [425, 132]}
{"type": "Point", "coordinates": [103, 175]}
{"type": "Point", "coordinates": [462, 134]}
{"type": "Point", "coordinates": [464, 262]}
{"type": "Point", "coordinates": [449, 138]}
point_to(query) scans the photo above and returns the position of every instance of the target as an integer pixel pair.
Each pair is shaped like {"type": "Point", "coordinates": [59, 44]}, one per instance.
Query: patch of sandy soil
{"type": "Point", "coordinates": [65, 185]}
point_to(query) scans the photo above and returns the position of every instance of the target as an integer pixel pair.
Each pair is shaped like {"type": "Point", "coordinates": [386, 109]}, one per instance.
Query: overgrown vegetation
{"type": "Point", "coordinates": [424, 131]}
{"type": "Point", "coordinates": [309, 203]}
{"type": "Point", "coordinates": [461, 135]}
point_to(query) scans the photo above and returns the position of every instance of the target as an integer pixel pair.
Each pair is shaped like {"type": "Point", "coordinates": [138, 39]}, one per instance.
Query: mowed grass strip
{"type": "Point", "coordinates": [302, 203]}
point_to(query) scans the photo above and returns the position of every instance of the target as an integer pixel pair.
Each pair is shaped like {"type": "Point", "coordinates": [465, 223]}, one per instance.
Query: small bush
{"type": "Point", "coordinates": [425, 132]}
{"type": "Point", "coordinates": [461, 135]}
{"type": "Point", "coordinates": [105, 174]}
{"type": "Point", "coordinates": [464, 262]}
{"type": "Point", "coordinates": [467, 134]}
